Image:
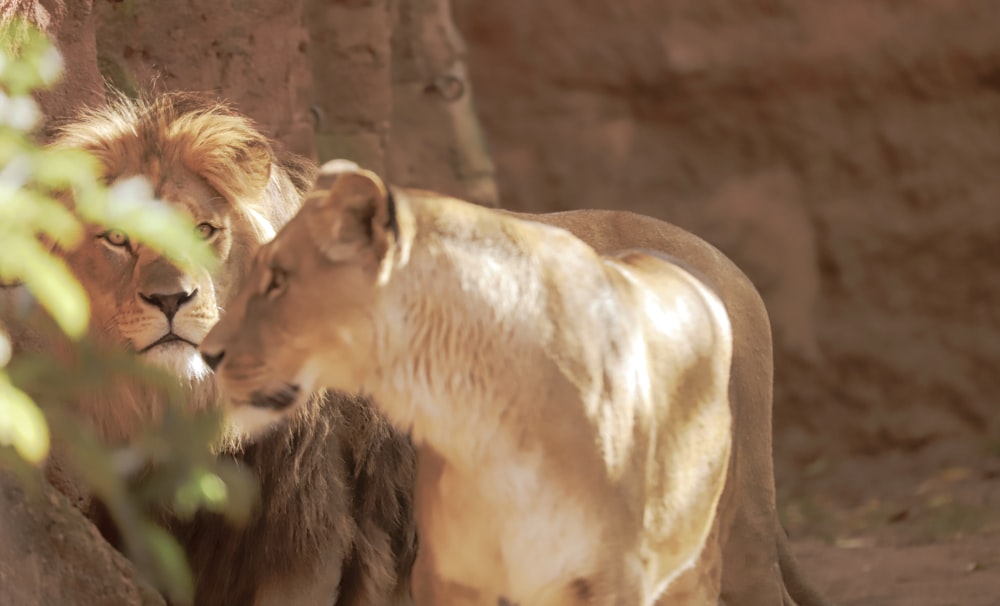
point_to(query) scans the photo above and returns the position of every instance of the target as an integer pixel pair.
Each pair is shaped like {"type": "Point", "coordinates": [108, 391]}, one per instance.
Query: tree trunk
{"type": "Point", "coordinates": [436, 139]}
{"type": "Point", "coordinates": [352, 101]}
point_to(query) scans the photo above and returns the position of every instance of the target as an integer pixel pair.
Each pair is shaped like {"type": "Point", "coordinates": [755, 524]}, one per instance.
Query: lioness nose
{"type": "Point", "coordinates": [169, 303]}
{"type": "Point", "coordinates": [213, 360]}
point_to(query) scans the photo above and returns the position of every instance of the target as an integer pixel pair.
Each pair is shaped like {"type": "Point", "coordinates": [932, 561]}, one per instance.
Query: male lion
{"type": "Point", "coordinates": [572, 411]}
{"type": "Point", "coordinates": [335, 514]}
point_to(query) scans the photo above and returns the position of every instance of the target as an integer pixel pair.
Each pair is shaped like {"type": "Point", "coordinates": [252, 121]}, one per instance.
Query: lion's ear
{"type": "Point", "coordinates": [353, 216]}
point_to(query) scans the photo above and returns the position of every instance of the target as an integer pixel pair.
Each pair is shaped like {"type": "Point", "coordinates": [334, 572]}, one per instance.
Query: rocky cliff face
{"type": "Point", "coordinates": [251, 53]}
{"type": "Point", "coordinates": [50, 554]}
{"type": "Point", "coordinates": [843, 153]}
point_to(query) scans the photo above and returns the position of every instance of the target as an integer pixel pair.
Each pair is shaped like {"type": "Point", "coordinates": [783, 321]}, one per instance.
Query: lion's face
{"type": "Point", "coordinates": [144, 303]}
{"type": "Point", "coordinates": [306, 316]}
{"type": "Point", "coordinates": [212, 165]}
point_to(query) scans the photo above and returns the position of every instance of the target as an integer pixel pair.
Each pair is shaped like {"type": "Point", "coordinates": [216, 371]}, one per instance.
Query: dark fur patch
{"type": "Point", "coordinates": [340, 478]}
{"type": "Point", "coordinates": [581, 587]}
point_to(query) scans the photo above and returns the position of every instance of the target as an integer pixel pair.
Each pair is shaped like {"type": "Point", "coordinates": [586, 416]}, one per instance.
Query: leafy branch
{"type": "Point", "coordinates": [47, 195]}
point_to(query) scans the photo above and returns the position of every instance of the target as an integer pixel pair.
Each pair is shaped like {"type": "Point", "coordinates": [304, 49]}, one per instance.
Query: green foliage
{"type": "Point", "coordinates": [47, 195]}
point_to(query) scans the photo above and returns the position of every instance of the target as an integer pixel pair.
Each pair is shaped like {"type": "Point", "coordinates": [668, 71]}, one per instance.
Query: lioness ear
{"type": "Point", "coordinates": [355, 215]}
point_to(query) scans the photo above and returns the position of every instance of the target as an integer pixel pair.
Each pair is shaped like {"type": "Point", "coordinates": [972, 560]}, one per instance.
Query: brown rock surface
{"type": "Point", "coordinates": [436, 141]}
{"type": "Point", "coordinates": [249, 52]}
{"type": "Point", "coordinates": [843, 153]}
{"type": "Point", "coordinates": [50, 554]}
{"type": "Point", "coordinates": [350, 57]}
{"type": "Point", "coordinates": [960, 572]}
{"type": "Point", "coordinates": [70, 24]}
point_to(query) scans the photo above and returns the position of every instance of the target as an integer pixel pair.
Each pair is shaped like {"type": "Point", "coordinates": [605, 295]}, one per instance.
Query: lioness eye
{"type": "Point", "coordinates": [277, 282]}
{"type": "Point", "coordinates": [116, 237]}
{"type": "Point", "coordinates": [206, 230]}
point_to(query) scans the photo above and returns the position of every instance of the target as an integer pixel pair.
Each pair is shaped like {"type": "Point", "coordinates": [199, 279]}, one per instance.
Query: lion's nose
{"type": "Point", "coordinates": [213, 360]}
{"type": "Point", "coordinates": [169, 303]}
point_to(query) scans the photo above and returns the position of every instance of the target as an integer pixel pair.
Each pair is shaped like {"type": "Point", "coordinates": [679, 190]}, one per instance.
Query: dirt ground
{"type": "Point", "coordinates": [885, 531]}
{"type": "Point", "coordinates": [960, 572]}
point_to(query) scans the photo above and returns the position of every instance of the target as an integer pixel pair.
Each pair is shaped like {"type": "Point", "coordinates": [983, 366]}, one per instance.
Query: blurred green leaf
{"type": "Point", "coordinates": [5, 348]}
{"type": "Point", "coordinates": [65, 168]}
{"type": "Point", "coordinates": [16, 170]}
{"type": "Point", "coordinates": [49, 195]}
{"type": "Point", "coordinates": [50, 281]}
{"type": "Point", "coordinates": [242, 489]}
{"type": "Point", "coordinates": [36, 62]}
{"type": "Point", "coordinates": [30, 212]}
{"type": "Point", "coordinates": [22, 424]}
{"type": "Point", "coordinates": [202, 489]}
{"type": "Point", "coordinates": [171, 564]}
{"type": "Point", "coordinates": [19, 112]}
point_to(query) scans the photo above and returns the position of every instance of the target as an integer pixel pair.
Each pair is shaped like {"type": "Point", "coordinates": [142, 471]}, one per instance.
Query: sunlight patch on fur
{"type": "Point", "coordinates": [180, 359]}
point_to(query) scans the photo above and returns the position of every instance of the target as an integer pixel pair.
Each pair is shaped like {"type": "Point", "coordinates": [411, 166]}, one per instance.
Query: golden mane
{"type": "Point", "coordinates": [210, 138]}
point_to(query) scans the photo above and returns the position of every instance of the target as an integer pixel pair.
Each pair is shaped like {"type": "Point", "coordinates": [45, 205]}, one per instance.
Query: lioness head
{"type": "Point", "coordinates": [213, 165]}
{"type": "Point", "coordinates": [303, 319]}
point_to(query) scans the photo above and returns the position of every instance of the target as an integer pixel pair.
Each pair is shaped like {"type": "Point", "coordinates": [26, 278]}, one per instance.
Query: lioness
{"type": "Point", "coordinates": [515, 356]}
{"type": "Point", "coordinates": [335, 517]}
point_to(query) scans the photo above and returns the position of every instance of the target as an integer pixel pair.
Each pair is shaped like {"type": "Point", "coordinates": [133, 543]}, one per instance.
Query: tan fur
{"type": "Point", "coordinates": [335, 517]}
{"type": "Point", "coordinates": [571, 411]}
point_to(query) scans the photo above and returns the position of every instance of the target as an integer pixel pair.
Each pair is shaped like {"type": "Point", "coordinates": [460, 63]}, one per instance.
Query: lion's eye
{"type": "Point", "coordinates": [206, 230]}
{"type": "Point", "coordinates": [116, 237]}
{"type": "Point", "coordinates": [277, 282]}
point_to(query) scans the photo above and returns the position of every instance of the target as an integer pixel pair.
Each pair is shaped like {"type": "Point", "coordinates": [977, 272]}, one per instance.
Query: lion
{"type": "Point", "coordinates": [571, 400]}
{"type": "Point", "coordinates": [335, 518]}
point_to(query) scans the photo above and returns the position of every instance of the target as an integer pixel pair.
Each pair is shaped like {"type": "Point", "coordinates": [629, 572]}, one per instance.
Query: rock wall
{"type": "Point", "coordinates": [50, 554]}
{"type": "Point", "coordinates": [843, 153]}
{"type": "Point", "coordinates": [382, 83]}
{"type": "Point", "coordinates": [436, 140]}
{"type": "Point", "coordinates": [71, 25]}
{"type": "Point", "coordinates": [249, 52]}
{"type": "Point", "coordinates": [350, 57]}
